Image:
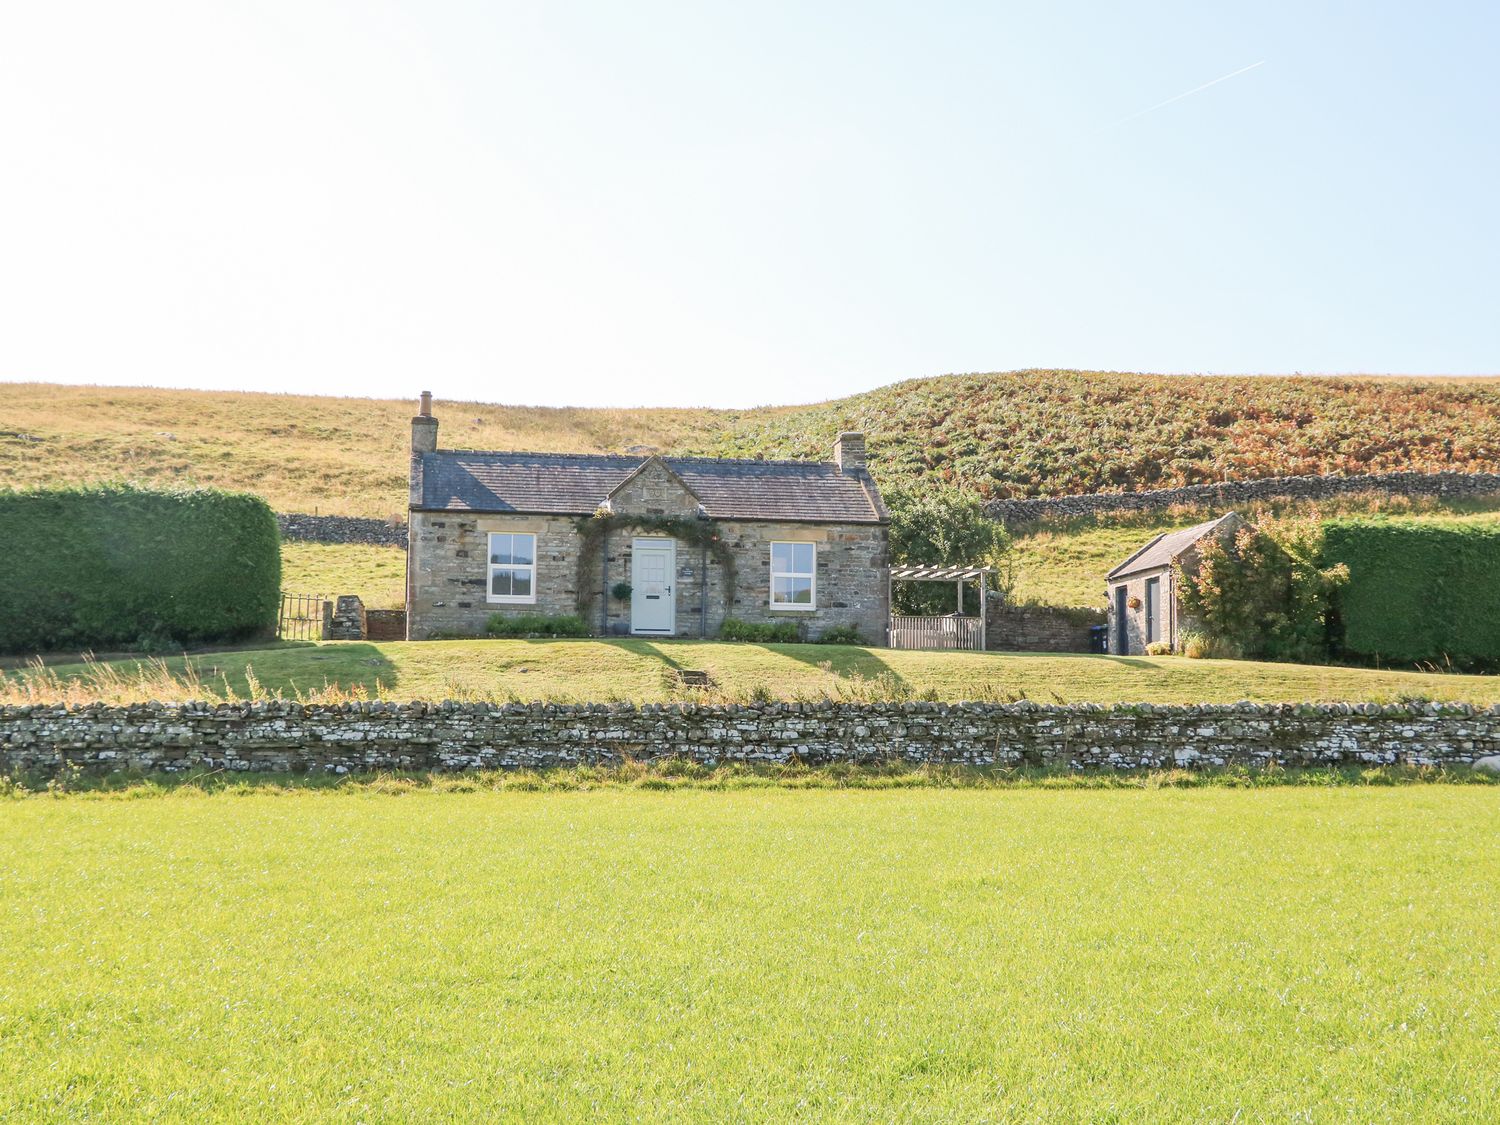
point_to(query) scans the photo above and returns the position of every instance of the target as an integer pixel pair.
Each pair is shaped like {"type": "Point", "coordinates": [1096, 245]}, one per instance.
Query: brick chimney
{"type": "Point", "coordinates": [849, 452]}
{"type": "Point", "coordinates": [423, 440]}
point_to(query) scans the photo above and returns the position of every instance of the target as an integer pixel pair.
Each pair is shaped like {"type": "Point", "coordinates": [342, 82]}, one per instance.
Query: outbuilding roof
{"type": "Point", "coordinates": [579, 483]}
{"type": "Point", "coordinates": [1165, 548]}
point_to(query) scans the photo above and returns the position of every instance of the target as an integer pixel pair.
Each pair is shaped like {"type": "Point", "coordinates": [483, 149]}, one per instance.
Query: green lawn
{"type": "Point", "coordinates": [1196, 955]}
{"type": "Point", "coordinates": [642, 671]}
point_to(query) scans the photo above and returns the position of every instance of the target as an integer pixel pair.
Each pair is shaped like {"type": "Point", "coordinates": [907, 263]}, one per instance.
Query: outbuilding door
{"type": "Point", "coordinates": [653, 575]}
{"type": "Point", "coordinates": [1120, 642]}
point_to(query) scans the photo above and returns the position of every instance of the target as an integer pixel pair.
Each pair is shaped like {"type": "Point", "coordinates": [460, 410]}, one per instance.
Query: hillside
{"type": "Point", "coordinates": [1022, 433]}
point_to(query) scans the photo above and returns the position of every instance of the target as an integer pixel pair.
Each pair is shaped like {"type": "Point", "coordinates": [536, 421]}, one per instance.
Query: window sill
{"type": "Point", "coordinates": [792, 608]}
{"type": "Point", "coordinates": [493, 600]}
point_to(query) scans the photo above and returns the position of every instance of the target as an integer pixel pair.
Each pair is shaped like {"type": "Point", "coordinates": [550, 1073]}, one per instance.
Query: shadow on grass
{"type": "Point", "coordinates": [654, 649]}
{"type": "Point", "coordinates": [353, 668]}
{"type": "Point", "coordinates": [13, 661]}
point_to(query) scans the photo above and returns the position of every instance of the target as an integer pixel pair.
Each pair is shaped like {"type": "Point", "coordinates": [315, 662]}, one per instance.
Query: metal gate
{"type": "Point", "coordinates": [303, 617]}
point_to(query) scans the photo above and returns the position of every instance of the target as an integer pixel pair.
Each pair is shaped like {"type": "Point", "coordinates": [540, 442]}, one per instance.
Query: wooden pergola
{"type": "Point", "coordinates": [955, 574]}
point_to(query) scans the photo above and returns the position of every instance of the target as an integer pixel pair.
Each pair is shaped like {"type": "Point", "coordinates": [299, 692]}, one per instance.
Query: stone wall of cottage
{"type": "Point", "coordinates": [292, 737]}
{"type": "Point", "coordinates": [851, 580]}
{"type": "Point", "coordinates": [654, 490]}
{"type": "Point", "coordinates": [448, 570]}
{"type": "Point", "coordinates": [1135, 617]}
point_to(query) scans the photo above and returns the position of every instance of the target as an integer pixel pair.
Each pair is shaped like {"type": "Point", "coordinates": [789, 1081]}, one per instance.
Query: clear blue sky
{"type": "Point", "coordinates": [614, 204]}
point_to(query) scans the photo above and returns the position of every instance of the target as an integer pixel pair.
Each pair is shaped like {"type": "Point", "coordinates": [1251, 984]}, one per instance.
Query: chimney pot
{"type": "Point", "coordinates": [424, 429]}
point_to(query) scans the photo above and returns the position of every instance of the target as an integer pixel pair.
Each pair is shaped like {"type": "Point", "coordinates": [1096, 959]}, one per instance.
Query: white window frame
{"type": "Point", "coordinates": [809, 574]}
{"type": "Point", "coordinates": [490, 568]}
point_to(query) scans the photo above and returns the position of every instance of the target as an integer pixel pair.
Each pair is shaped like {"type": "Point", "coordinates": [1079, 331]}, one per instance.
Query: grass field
{"type": "Point", "coordinates": [1015, 433]}
{"type": "Point", "coordinates": [376, 574]}
{"type": "Point", "coordinates": [642, 671]}
{"type": "Point", "coordinates": [769, 955]}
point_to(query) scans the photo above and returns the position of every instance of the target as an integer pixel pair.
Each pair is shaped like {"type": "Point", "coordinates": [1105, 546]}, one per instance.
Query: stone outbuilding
{"type": "Point", "coordinates": [647, 546]}
{"type": "Point", "coordinates": [1144, 608]}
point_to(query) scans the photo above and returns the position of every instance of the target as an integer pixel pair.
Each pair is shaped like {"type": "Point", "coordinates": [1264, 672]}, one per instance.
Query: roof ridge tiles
{"type": "Point", "coordinates": [641, 457]}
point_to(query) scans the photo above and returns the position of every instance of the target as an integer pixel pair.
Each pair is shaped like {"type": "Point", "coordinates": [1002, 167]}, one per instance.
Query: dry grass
{"type": "Point", "coordinates": [154, 679]}
{"type": "Point", "coordinates": [1015, 433]}
{"type": "Point", "coordinates": [345, 456]}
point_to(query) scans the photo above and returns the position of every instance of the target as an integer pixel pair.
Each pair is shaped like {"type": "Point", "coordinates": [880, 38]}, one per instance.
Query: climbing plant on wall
{"type": "Point", "coordinates": [697, 531]}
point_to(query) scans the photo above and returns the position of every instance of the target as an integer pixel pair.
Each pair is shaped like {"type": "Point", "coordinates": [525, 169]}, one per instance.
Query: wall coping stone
{"type": "Point", "coordinates": [1025, 707]}
{"type": "Point", "coordinates": [1399, 483]}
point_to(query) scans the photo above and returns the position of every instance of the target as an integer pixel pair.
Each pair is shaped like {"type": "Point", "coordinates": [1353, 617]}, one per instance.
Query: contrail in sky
{"type": "Point", "coordinates": [1190, 93]}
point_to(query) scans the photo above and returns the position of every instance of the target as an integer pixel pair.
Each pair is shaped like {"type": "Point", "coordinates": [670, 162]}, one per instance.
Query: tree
{"type": "Point", "coordinates": [938, 525]}
{"type": "Point", "coordinates": [1262, 593]}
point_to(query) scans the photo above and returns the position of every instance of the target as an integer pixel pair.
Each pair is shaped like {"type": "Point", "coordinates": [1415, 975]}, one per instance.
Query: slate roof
{"type": "Point", "coordinates": [1164, 548]}
{"type": "Point", "coordinates": [578, 483]}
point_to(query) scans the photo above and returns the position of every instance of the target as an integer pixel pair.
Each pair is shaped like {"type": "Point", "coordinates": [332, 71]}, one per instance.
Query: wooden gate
{"type": "Point", "coordinates": [303, 617]}
{"type": "Point", "coordinates": [950, 632]}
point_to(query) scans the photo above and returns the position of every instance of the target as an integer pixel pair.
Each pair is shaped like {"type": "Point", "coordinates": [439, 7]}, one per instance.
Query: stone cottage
{"type": "Point", "coordinates": [1143, 602]}
{"type": "Point", "coordinates": [646, 546]}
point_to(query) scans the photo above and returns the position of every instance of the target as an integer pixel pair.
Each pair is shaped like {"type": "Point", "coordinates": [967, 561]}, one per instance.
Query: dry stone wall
{"type": "Point", "coordinates": [297, 527]}
{"type": "Point", "coordinates": [292, 737]}
{"type": "Point", "coordinates": [1229, 493]}
{"type": "Point", "coordinates": [1040, 628]}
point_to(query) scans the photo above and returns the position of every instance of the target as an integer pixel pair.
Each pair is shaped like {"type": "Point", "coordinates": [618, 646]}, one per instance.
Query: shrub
{"type": "Point", "coordinates": [840, 635]}
{"type": "Point", "coordinates": [1262, 593]}
{"type": "Point", "coordinates": [770, 632]}
{"type": "Point", "coordinates": [1201, 646]}
{"type": "Point", "coordinates": [1158, 648]}
{"type": "Point", "coordinates": [117, 565]}
{"type": "Point", "coordinates": [535, 625]}
{"type": "Point", "coordinates": [1418, 591]}
{"type": "Point", "coordinates": [933, 525]}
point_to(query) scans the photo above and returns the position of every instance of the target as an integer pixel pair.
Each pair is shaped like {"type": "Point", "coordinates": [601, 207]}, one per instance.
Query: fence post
{"type": "Point", "coordinates": [327, 629]}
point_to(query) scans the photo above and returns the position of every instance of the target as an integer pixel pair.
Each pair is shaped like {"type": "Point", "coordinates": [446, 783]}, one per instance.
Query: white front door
{"type": "Point", "coordinates": [653, 580]}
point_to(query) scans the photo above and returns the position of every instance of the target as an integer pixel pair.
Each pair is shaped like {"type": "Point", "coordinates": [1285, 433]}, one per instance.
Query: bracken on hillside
{"type": "Point", "coordinates": [1028, 433]}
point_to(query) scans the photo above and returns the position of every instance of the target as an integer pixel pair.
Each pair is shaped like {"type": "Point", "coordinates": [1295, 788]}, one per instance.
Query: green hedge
{"type": "Point", "coordinates": [1418, 591]}
{"type": "Point", "coordinates": [114, 565]}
